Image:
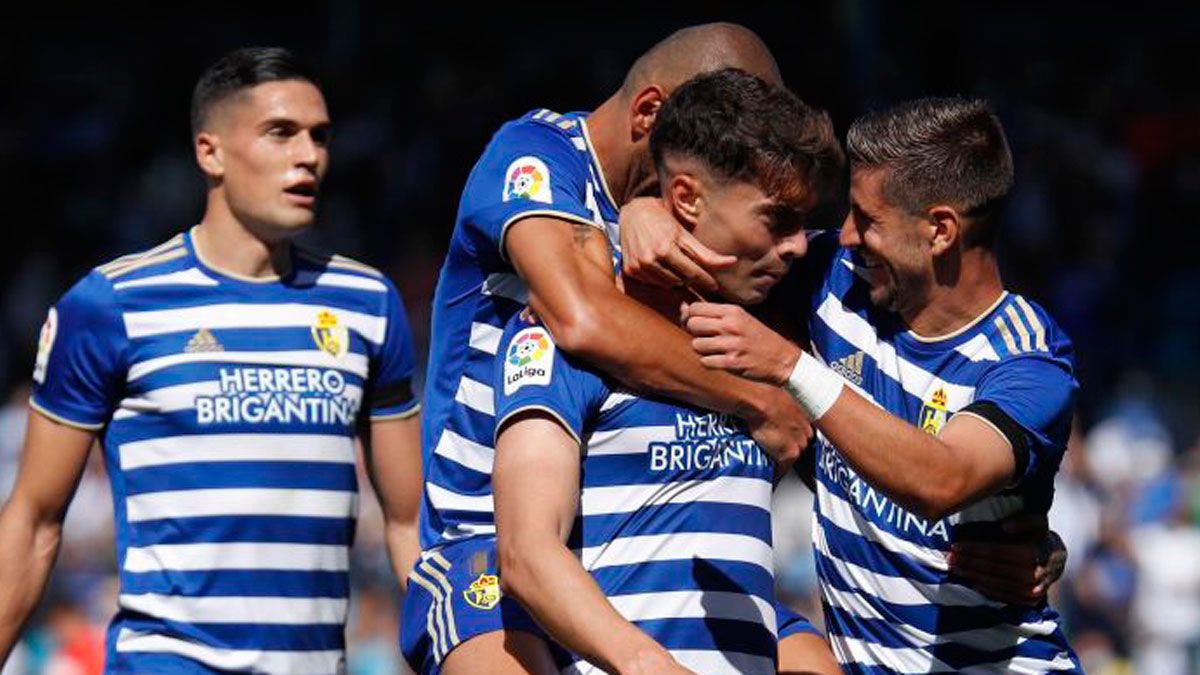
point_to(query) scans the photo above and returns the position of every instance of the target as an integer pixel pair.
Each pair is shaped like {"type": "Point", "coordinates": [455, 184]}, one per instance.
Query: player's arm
{"type": "Point", "coordinates": [392, 437]}
{"type": "Point", "coordinates": [933, 476]}
{"type": "Point", "coordinates": [536, 488]}
{"type": "Point", "coordinates": [52, 461]}
{"type": "Point", "coordinates": [393, 462]}
{"type": "Point", "coordinates": [567, 266]}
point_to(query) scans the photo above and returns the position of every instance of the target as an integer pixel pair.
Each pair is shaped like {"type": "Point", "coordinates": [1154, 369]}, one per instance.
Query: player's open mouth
{"type": "Point", "coordinates": [303, 193]}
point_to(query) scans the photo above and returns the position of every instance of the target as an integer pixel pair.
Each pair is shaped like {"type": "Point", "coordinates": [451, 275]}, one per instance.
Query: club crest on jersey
{"type": "Point", "coordinates": [484, 592]}
{"type": "Point", "coordinates": [527, 178]}
{"type": "Point", "coordinates": [530, 359]}
{"type": "Point", "coordinates": [331, 337]}
{"type": "Point", "coordinates": [45, 344]}
{"type": "Point", "coordinates": [934, 413]}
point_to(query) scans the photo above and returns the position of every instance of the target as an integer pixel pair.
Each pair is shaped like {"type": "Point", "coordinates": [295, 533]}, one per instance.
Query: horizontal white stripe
{"type": "Point", "coordinates": [978, 348]}
{"type": "Point", "coordinates": [627, 441]}
{"type": "Point", "coordinates": [722, 490]}
{"type": "Point", "coordinates": [310, 358]}
{"type": "Point", "coordinates": [706, 662]}
{"type": "Point", "coordinates": [845, 516]}
{"type": "Point", "coordinates": [508, 286]}
{"type": "Point", "coordinates": [476, 396]}
{"type": "Point", "coordinates": [183, 397]}
{"type": "Point", "coordinates": [238, 609]}
{"type": "Point", "coordinates": [442, 499]}
{"type": "Point", "coordinates": [241, 502]}
{"type": "Point", "coordinates": [237, 556]}
{"type": "Point", "coordinates": [351, 281]}
{"type": "Point", "coordinates": [237, 448]}
{"type": "Point", "coordinates": [695, 605]}
{"type": "Point", "coordinates": [851, 650]}
{"type": "Point", "coordinates": [248, 315]}
{"type": "Point", "coordinates": [680, 546]}
{"type": "Point", "coordinates": [899, 590]}
{"type": "Point", "coordinates": [465, 452]}
{"type": "Point", "coordinates": [1023, 665]}
{"type": "Point", "coordinates": [615, 399]}
{"type": "Point", "coordinates": [915, 380]}
{"type": "Point", "coordinates": [256, 660]}
{"type": "Point", "coordinates": [189, 277]}
{"type": "Point", "coordinates": [485, 337]}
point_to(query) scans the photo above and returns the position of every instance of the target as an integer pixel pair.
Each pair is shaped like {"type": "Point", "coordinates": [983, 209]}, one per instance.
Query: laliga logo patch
{"type": "Point", "coordinates": [331, 338]}
{"type": "Point", "coordinates": [530, 359]}
{"type": "Point", "coordinates": [527, 178]}
{"type": "Point", "coordinates": [45, 343]}
{"type": "Point", "coordinates": [484, 592]}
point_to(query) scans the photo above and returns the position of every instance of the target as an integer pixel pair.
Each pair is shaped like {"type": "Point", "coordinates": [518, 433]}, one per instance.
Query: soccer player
{"type": "Point", "coordinates": [534, 225]}
{"type": "Point", "coordinates": [673, 501]}
{"type": "Point", "coordinates": [226, 374]}
{"type": "Point", "coordinates": [942, 401]}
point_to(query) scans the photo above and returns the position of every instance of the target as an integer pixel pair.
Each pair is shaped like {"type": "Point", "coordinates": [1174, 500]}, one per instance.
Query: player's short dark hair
{"type": "Point", "coordinates": [242, 69]}
{"type": "Point", "coordinates": [741, 127]}
{"type": "Point", "coordinates": [939, 150]}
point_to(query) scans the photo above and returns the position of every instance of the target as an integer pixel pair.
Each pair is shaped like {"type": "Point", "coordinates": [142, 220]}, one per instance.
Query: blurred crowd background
{"type": "Point", "coordinates": [1102, 110]}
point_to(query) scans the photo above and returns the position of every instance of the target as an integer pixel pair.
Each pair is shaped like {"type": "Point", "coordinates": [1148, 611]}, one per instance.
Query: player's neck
{"type": "Point", "coordinates": [958, 300]}
{"type": "Point", "coordinates": [608, 135]}
{"type": "Point", "coordinates": [228, 246]}
{"type": "Point", "coordinates": [664, 301]}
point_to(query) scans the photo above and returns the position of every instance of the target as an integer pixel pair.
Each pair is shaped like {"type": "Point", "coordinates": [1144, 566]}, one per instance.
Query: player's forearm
{"type": "Point", "coordinates": [647, 353]}
{"type": "Point", "coordinates": [403, 547]}
{"type": "Point", "coordinates": [27, 552]}
{"type": "Point", "coordinates": [917, 470]}
{"type": "Point", "coordinates": [542, 575]}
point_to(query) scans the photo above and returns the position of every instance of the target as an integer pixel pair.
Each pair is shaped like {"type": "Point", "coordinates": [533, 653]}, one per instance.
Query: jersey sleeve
{"type": "Point", "coordinates": [1030, 401]}
{"type": "Point", "coordinates": [82, 353]}
{"type": "Point", "coordinates": [529, 169]}
{"type": "Point", "coordinates": [390, 388]}
{"type": "Point", "coordinates": [532, 374]}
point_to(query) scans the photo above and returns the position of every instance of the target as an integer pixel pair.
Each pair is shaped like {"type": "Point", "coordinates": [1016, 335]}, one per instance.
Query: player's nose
{"type": "Point", "coordinates": [849, 236]}
{"type": "Point", "coordinates": [793, 246]}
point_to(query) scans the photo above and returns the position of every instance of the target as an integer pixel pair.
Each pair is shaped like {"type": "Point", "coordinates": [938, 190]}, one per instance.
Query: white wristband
{"type": "Point", "coordinates": [814, 386]}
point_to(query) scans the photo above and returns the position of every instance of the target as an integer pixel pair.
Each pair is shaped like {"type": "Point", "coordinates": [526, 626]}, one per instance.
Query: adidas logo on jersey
{"type": "Point", "coordinates": [850, 367]}
{"type": "Point", "coordinates": [203, 341]}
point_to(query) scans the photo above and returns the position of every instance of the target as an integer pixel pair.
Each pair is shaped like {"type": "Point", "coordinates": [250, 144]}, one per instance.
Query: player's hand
{"type": "Point", "coordinates": [654, 661]}
{"type": "Point", "coordinates": [783, 430]}
{"type": "Point", "coordinates": [657, 250]}
{"type": "Point", "coordinates": [1018, 570]}
{"type": "Point", "coordinates": [728, 338]}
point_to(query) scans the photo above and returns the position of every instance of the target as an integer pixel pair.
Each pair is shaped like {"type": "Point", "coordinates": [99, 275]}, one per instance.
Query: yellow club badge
{"type": "Point", "coordinates": [934, 413]}
{"type": "Point", "coordinates": [331, 337]}
{"type": "Point", "coordinates": [484, 592]}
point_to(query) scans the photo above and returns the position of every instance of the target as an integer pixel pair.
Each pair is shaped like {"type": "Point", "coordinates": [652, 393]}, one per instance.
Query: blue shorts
{"type": "Point", "coordinates": [792, 622]}
{"type": "Point", "coordinates": [453, 596]}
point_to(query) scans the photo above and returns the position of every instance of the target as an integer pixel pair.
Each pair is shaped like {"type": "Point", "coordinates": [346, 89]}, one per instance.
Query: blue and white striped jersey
{"type": "Point", "coordinates": [541, 164]}
{"type": "Point", "coordinates": [674, 515]}
{"type": "Point", "coordinates": [227, 410]}
{"type": "Point", "coordinates": [890, 604]}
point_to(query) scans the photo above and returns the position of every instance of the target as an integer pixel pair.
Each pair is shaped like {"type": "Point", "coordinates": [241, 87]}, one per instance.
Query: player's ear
{"type": "Point", "coordinates": [644, 110]}
{"type": "Point", "coordinates": [945, 228]}
{"type": "Point", "coordinates": [209, 155]}
{"type": "Point", "coordinates": [685, 196]}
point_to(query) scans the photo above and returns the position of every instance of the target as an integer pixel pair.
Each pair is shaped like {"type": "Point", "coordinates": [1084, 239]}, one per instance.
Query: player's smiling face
{"type": "Point", "coordinates": [886, 239]}
{"type": "Point", "coordinates": [274, 141]}
{"type": "Point", "coordinates": [737, 218]}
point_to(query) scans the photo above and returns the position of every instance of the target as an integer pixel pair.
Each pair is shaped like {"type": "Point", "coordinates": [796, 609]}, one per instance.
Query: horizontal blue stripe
{"type": "Point", "coordinates": [283, 338]}
{"type": "Point", "coordinates": [686, 575]}
{"type": "Point", "coordinates": [265, 475]}
{"type": "Point", "coordinates": [139, 663]}
{"type": "Point", "coordinates": [865, 552]}
{"type": "Point", "coordinates": [265, 529]}
{"type": "Point", "coordinates": [722, 635]}
{"type": "Point", "coordinates": [679, 519]}
{"type": "Point", "coordinates": [699, 462]}
{"type": "Point", "coordinates": [152, 298]}
{"type": "Point", "coordinates": [255, 583]}
{"type": "Point", "coordinates": [285, 637]}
